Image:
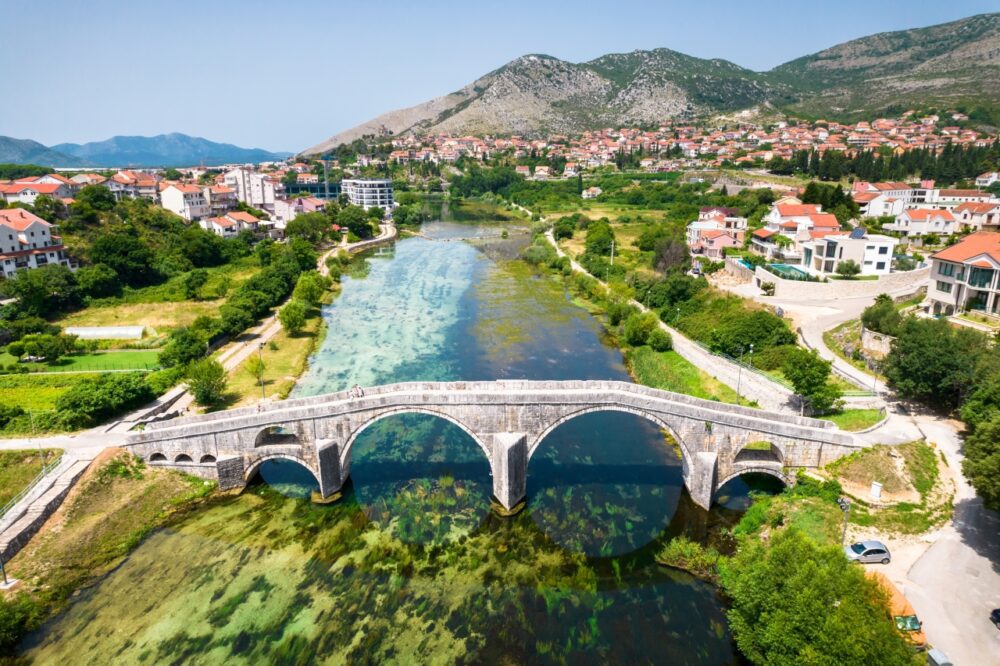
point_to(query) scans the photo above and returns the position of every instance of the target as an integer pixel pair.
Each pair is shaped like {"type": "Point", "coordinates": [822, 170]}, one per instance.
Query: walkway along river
{"type": "Point", "coordinates": [411, 565]}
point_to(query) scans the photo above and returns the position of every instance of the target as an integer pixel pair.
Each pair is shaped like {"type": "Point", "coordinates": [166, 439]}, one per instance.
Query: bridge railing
{"type": "Point", "coordinates": [31, 485]}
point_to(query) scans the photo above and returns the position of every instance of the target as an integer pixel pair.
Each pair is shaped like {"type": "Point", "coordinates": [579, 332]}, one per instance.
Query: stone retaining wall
{"type": "Point", "coordinates": [910, 281]}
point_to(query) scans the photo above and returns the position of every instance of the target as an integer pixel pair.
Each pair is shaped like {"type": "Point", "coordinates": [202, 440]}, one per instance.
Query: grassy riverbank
{"type": "Point", "coordinates": [117, 503]}
{"type": "Point", "coordinates": [19, 468]}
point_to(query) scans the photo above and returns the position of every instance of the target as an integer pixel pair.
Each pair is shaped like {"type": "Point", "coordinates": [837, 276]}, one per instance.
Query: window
{"type": "Point", "coordinates": [944, 287]}
{"type": "Point", "coordinates": [880, 266]}
{"type": "Point", "coordinates": [884, 249]}
{"type": "Point", "coordinates": [946, 269]}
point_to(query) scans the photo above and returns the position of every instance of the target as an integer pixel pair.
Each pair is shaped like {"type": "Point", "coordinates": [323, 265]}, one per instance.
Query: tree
{"type": "Point", "coordinates": [932, 362]}
{"type": "Point", "coordinates": [796, 602]}
{"type": "Point", "coordinates": [354, 218]}
{"type": "Point", "coordinates": [193, 282]}
{"type": "Point", "coordinates": [982, 460]}
{"type": "Point", "coordinates": [255, 367]}
{"type": "Point", "coordinates": [810, 375]}
{"type": "Point", "coordinates": [882, 316]}
{"type": "Point", "coordinates": [186, 344]}
{"type": "Point", "coordinates": [93, 400]}
{"type": "Point", "coordinates": [293, 316]}
{"type": "Point", "coordinates": [638, 326]}
{"type": "Point", "coordinates": [206, 380]}
{"type": "Point", "coordinates": [671, 255]}
{"type": "Point", "coordinates": [44, 290]}
{"type": "Point", "coordinates": [97, 197]}
{"type": "Point", "coordinates": [600, 238]}
{"type": "Point", "coordinates": [310, 287]}
{"type": "Point", "coordinates": [172, 174]}
{"type": "Point", "coordinates": [848, 269]}
{"type": "Point", "coordinates": [126, 255]}
{"type": "Point", "coordinates": [98, 281]}
{"type": "Point", "coordinates": [201, 247]}
{"type": "Point", "coordinates": [309, 226]}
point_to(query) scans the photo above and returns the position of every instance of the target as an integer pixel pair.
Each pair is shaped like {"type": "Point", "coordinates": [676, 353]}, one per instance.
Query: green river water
{"type": "Point", "coordinates": [412, 566]}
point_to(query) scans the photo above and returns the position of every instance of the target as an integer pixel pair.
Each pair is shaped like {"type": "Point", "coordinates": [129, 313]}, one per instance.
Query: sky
{"type": "Point", "coordinates": [287, 75]}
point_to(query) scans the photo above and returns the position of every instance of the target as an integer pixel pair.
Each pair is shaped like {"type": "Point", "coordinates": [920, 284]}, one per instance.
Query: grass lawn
{"type": "Point", "coordinates": [853, 420]}
{"type": "Point", "coordinates": [671, 372]}
{"type": "Point", "coordinates": [285, 359]}
{"type": "Point", "coordinates": [18, 468]}
{"type": "Point", "coordinates": [114, 360]}
{"type": "Point", "coordinates": [162, 316]}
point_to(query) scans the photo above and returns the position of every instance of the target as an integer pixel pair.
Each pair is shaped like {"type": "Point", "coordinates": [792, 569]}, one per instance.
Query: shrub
{"type": "Point", "coordinates": [660, 340]}
{"type": "Point", "coordinates": [638, 326]}
{"type": "Point", "coordinates": [207, 382]}
{"type": "Point", "coordinates": [94, 400]}
{"type": "Point", "coordinates": [293, 316]}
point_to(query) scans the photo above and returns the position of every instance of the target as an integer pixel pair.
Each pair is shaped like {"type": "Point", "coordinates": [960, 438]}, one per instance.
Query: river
{"type": "Point", "coordinates": [411, 566]}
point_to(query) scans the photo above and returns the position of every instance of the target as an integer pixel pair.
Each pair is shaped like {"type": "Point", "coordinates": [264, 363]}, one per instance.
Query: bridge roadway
{"type": "Point", "coordinates": [508, 420]}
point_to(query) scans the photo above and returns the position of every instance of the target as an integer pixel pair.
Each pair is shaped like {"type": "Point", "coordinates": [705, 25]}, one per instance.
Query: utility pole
{"type": "Point", "coordinates": [260, 358]}
{"type": "Point", "coordinates": [326, 177]}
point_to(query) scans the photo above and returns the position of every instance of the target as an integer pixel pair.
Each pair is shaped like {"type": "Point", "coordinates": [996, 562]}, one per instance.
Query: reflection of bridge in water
{"type": "Point", "coordinates": [508, 420]}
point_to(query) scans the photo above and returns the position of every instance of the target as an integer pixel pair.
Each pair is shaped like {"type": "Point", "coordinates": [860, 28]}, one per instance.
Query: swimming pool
{"type": "Point", "coordinates": [790, 272]}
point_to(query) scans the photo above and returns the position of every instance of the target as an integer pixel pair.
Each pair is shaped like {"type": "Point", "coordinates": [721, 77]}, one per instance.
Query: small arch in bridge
{"type": "Point", "coordinates": [157, 457]}
{"type": "Point", "coordinates": [276, 436]}
{"type": "Point", "coordinates": [288, 481]}
{"type": "Point", "coordinates": [183, 458]}
{"type": "Point", "coordinates": [349, 445]}
{"type": "Point", "coordinates": [759, 452]}
{"type": "Point", "coordinates": [207, 459]}
{"type": "Point", "coordinates": [774, 471]}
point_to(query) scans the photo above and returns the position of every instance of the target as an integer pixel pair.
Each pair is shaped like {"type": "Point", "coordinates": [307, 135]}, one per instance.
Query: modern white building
{"type": "Point", "coordinates": [871, 252]}
{"type": "Point", "coordinates": [256, 189]}
{"type": "Point", "coordinates": [368, 193]}
{"type": "Point", "coordinates": [188, 201]}
{"type": "Point", "coordinates": [26, 242]}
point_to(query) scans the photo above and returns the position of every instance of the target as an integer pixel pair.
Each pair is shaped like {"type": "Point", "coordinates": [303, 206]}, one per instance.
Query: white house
{"type": "Point", "coordinates": [232, 223]}
{"type": "Point", "coordinates": [26, 242]}
{"type": "Point", "coordinates": [987, 179]}
{"type": "Point", "coordinates": [259, 190]}
{"type": "Point", "coordinates": [871, 252]}
{"type": "Point", "coordinates": [188, 201]}
{"type": "Point", "coordinates": [978, 216]}
{"type": "Point", "coordinates": [27, 193]}
{"type": "Point", "coordinates": [914, 222]}
{"type": "Point", "coordinates": [966, 276]}
{"type": "Point", "coordinates": [591, 193]}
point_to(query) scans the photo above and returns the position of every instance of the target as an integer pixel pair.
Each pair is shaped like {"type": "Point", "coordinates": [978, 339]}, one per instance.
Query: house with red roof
{"type": "Point", "coordinates": [28, 192]}
{"type": "Point", "coordinates": [966, 276]}
{"type": "Point", "coordinates": [27, 241]}
{"type": "Point", "coordinates": [232, 224]}
{"type": "Point", "coordinates": [978, 216]}
{"type": "Point", "coordinates": [916, 222]}
{"type": "Point", "coordinates": [185, 200]}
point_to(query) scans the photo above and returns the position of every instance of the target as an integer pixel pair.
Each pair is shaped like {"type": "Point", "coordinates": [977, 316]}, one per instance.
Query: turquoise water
{"type": "Point", "coordinates": [411, 566]}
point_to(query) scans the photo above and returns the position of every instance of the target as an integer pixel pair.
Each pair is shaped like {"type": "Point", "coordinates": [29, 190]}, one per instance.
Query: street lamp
{"type": "Point", "coordinates": [260, 368]}
{"type": "Point", "coordinates": [845, 506]}
{"type": "Point", "coordinates": [6, 583]}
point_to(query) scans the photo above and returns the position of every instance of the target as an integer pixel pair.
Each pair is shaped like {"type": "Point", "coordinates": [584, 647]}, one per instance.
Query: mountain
{"type": "Point", "coordinates": [26, 151]}
{"type": "Point", "coordinates": [953, 63]}
{"type": "Point", "coordinates": [538, 93]}
{"type": "Point", "coordinates": [164, 150]}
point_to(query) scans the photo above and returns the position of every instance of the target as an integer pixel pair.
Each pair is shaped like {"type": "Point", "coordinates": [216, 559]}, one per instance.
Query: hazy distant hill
{"type": "Point", "coordinates": [26, 151]}
{"type": "Point", "coordinates": [163, 150]}
{"type": "Point", "coordinates": [957, 62]}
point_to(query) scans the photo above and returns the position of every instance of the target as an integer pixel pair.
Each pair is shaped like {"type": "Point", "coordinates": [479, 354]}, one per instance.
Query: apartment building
{"type": "Point", "coordinates": [27, 241]}
{"type": "Point", "coordinates": [256, 189]}
{"type": "Point", "coordinates": [368, 193]}
{"type": "Point", "coordinates": [188, 201]}
{"type": "Point", "coordinates": [220, 198]}
{"type": "Point", "coordinates": [966, 276]}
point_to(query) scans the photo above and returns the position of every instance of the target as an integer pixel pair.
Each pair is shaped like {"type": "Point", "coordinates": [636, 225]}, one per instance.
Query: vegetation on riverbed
{"type": "Point", "coordinates": [107, 515]}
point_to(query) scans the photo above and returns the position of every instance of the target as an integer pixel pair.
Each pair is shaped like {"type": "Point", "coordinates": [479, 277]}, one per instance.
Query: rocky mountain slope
{"type": "Point", "coordinates": [956, 62]}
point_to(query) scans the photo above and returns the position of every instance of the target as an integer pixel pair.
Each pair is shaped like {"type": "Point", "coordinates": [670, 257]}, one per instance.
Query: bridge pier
{"type": "Point", "coordinates": [700, 478]}
{"type": "Point", "coordinates": [509, 465]}
{"type": "Point", "coordinates": [332, 475]}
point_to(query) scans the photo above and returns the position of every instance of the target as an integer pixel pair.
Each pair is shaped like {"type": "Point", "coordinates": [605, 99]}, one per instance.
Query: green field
{"type": "Point", "coordinates": [36, 392]}
{"type": "Point", "coordinates": [853, 420]}
{"type": "Point", "coordinates": [671, 372]}
{"type": "Point", "coordinates": [100, 361]}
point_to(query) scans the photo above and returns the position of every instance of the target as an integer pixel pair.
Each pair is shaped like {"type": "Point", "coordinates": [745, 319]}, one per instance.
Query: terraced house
{"type": "Point", "coordinates": [966, 276]}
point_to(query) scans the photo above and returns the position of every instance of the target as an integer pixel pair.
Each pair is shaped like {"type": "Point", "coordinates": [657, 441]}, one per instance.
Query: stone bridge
{"type": "Point", "coordinates": [508, 420]}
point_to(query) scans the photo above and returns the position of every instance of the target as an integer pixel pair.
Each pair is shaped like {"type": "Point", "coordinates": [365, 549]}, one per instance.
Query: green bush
{"type": "Point", "coordinates": [638, 326]}
{"type": "Point", "coordinates": [95, 399]}
{"type": "Point", "coordinates": [18, 616]}
{"type": "Point", "coordinates": [660, 340]}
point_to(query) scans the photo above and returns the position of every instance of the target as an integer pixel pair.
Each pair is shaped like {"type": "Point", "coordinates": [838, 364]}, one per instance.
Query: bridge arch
{"type": "Point", "coordinates": [183, 458]}
{"type": "Point", "coordinates": [759, 452]}
{"type": "Point", "coordinates": [254, 465]}
{"type": "Point", "coordinates": [345, 454]}
{"type": "Point", "coordinates": [157, 457]}
{"type": "Point", "coordinates": [776, 472]}
{"type": "Point", "coordinates": [649, 416]}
